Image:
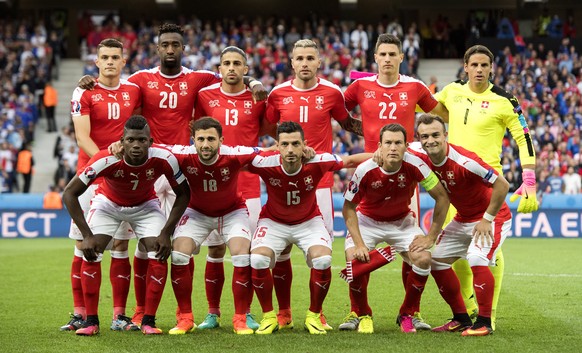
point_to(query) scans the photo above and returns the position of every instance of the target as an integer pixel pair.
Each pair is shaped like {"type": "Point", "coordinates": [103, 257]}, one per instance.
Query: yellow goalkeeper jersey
{"type": "Point", "coordinates": [477, 122]}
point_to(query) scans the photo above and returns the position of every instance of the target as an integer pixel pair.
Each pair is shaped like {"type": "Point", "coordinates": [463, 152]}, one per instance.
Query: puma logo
{"type": "Point", "coordinates": [114, 96]}
{"type": "Point", "coordinates": [135, 175]}
{"type": "Point", "coordinates": [213, 281]}
{"type": "Point", "coordinates": [261, 286]}
{"type": "Point", "coordinates": [245, 284]}
{"type": "Point", "coordinates": [142, 277]}
{"type": "Point", "coordinates": [231, 102]}
{"type": "Point", "coordinates": [124, 277]}
{"type": "Point", "coordinates": [170, 86]}
{"type": "Point", "coordinates": [480, 286]}
{"type": "Point", "coordinates": [209, 173]}
{"type": "Point", "coordinates": [322, 285]}
{"type": "Point", "coordinates": [92, 275]}
{"type": "Point", "coordinates": [293, 183]}
{"type": "Point", "coordinates": [158, 280]}
{"type": "Point", "coordinates": [305, 99]}
{"type": "Point", "coordinates": [389, 96]}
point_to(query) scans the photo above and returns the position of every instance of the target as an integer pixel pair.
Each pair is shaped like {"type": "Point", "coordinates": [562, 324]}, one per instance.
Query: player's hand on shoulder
{"type": "Point", "coordinates": [116, 149]}
{"type": "Point", "coordinates": [87, 82]}
{"type": "Point", "coordinates": [308, 153]}
{"type": "Point", "coordinates": [258, 90]}
{"type": "Point", "coordinates": [377, 157]}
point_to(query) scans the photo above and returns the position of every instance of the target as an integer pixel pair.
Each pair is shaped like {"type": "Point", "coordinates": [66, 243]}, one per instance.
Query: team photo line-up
{"type": "Point", "coordinates": [186, 173]}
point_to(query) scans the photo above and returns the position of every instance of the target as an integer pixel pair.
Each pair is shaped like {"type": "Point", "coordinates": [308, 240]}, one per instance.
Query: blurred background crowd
{"type": "Point", "coordinates": [547, 82]}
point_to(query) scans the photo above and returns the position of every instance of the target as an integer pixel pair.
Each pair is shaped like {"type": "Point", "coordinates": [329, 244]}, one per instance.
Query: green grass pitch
{"type": "Point", "coordinates": [540, 308]}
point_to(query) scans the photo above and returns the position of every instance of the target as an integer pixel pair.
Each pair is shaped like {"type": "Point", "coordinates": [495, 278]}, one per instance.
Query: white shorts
{"type": "Point", "coordinates": [124, 232]}
{"type": "Point", "coordinates": [165, 193]}
{"type": "Point", "coordinates": [253, 207]}
{"type": "Point", "coordinates": [325, 204]}
{"type": "Point", "coordinates": [277, 236]}
{"type": "Point", "coordinates": [456, 240]}
{"type": "Point", "coordinates": [398, 234]}
{"type": "Point", "coordinates": [147, 219]}
{"type": "Point", "coordinates": [197, 226]}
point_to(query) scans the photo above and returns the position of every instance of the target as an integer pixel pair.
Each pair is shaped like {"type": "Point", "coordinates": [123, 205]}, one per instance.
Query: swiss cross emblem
{"type": "Point", "coordinates": [401, 177]}
{"type": "Point", "coordinates": [450, 174]}
{"type": "Point", "coordinates": [319, 99]}
{"type": "Point", "coordinates": [248, 104]}
{"type": "Point", "coordinates": [224, 171]}
{"type": "Point", "coordinates": [183, 86]}
{"type": "Point", "coordinates": [125, 96]}
{"type": "Point", "coordinates": [150, 173]}
{"type": "Point", "coordinates": [403, 96]}
{"type": "Point", "coordinates": [485, 104]}
{"type": "Point", "coordinates": [308, 180]}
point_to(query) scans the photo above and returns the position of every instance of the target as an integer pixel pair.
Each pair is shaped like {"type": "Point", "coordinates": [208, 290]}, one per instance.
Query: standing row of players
{"type": "Point", "coordinates": [168, 95]}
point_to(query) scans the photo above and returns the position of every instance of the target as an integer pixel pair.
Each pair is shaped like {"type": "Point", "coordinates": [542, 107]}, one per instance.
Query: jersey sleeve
{"type": "Point", "coordinates": [430, 181]}
{"type": "Point", "coordinates": [339, 111]}
{"type": "Point", "coordinates": [517, 125]}
{"type": "Point", "coordinates": [351, 96]}
{"type": "Point", "coordinates": [354, 190]}
{"type": "Point", "coordinates": [173, 172]}
{"type": "Point", "coordinates": [426, 101]}
{"type": "Point", "coordinates": [95, 167]}
{"type": "Point", "coordinates": [80, 103]}
{"type": "Point", "coordinates": [272, 113]}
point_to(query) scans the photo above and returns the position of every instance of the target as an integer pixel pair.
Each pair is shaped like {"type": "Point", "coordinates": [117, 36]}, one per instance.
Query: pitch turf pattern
{"type": "Point", "coordinates": [540, 307]}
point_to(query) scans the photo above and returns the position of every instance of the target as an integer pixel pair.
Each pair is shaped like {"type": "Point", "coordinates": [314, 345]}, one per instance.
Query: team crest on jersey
{"type": "Point", "coordinates": [275, 182]}
{"type": "Point", "coordinates": [308, 182]}
{"type": "Point", "coordinates": [125, 96]}
{"type": "Point", "coordinates": [370, 94]}
{"type": "Point", "coordinates": [377, 184]}
{"type": "Point", "coordinates": [288, 100]}
{"type": "Point", "coordinates": [451, 177]}
{"type": "Point", "coordinates": [401, 180]}
{"type": "Point", "coordinates": [90, 173]}
{"type": "Point", "coordinates": [153, 85]}
{"type": "Point", "coordinates": [353, 187]}
{"type": "Point", "coordinates": [248, 104]}
{"type": "Point", "coordinates": [319, 102]}
{"type": "Point", "coordinates": [484, 104]}
{"type": "Point", "coordinates": [183, 86]}
{"type": "Point", "coordinates": [150, 174]}
{"type": "Point", "coordinates": [403, 96]}
{"type": "Point", "coordinates": [214, 103]}
{"type": "Point", "coordinates": [75, 107]}
{"type": "Point", "coordinates": [192, 170]}
{"type": "Point", "coordinates": [225, 172]}
{"type": "Point", "coordinates": [118, 174]}
{"type": "Point", "coordinates": [97, 97]}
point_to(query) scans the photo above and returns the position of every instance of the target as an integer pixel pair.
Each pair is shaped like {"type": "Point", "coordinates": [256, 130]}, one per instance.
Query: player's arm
{"type": "Point", "coordinates": [352, 124]}
{"type": "Point", "coordinates": [164, 243]}
{"type": "Point", "coordinates": [436, 190]}
{"type": "Point", "coordinates": [441, 111]}
{"type": "Point", "coordinates": [87, 82]}
{"type": "Point", "coordinates": [483, 231]}
{"type": "Point", "coordinates": [351, 219]}
{"type": "Point", "coordinates": [82, 125]}
{"type": "Point", "coordinates": [353, 160]}
{"type": "Point", "coordinates": [256, 87]}
{"type": "Point", "coordinates": [267, 128]}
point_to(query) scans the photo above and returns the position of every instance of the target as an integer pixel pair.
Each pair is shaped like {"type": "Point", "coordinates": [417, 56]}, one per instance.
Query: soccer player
{"type": "Point", "coordinates": [386, 98]}
{"type": "Point", "coordinates": [311, 102]}
{"type": "Point", "coordinates": [212, 172]}
{"type": "Point", "coordinates": [377, 209]}
{"type": "Point", "coordinates": [98, 116]}
{"type": "Point", "coordinates": [292, 216]}
{"type": "Point", "coordinates": [476, 233]}
{"type": "Point", "coordinates": [127, 194]}
{"type": "Point", "coordinates": [242, 119]}
{"type": "Point", "coordinates": [479, 115]}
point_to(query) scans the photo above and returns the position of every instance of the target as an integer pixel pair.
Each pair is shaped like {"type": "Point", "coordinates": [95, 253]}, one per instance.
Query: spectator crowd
{"type": "Point", "coordinates": [547, 83]}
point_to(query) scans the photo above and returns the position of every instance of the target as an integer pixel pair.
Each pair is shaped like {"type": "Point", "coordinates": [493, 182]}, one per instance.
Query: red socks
{"type": "Point", "coordinates": [140, 270]}
{"type": "Point", "coordinates": [120, 278]}
{"type": "Point", "coordinates": [91, 281]}
{"type": "Point", "coordinates": [282, 280]}
{"type": "Point", "coordinates": [359, 295]}
{"type": "Point", "coordinates": [263, 285]}
{"type": "Point", "coordinates": [450, 289]}
{"type": "Point", "coordinates": [319, 286]}
{"type": "Point", "coordinates": [182, 285]}
{"type": "Point", "coordinates": [242, 289]}
{"type": "Point", "coordinates": [483, 284]}
{"type": "Point", "coordinates": [155, 283]}
{"type": "Point", "coordinates": [214, 282]}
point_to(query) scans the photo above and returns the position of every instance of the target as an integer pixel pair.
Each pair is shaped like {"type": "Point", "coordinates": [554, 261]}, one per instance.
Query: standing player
{"type": "Point", "coordinates": [98, 116]}
{"type": "Point", "coordinates": [231, 103]}
{"type": "Point", "coordinates": [311, 102]}
{"type": "Point", "coordinates": [387, 98]}
{"type": "Point", "coordinates": [377, 209]}
{"type": "Point", "coordinates": [291, 216]}
{"type": "Point", "coordinates": [478, 229]}
{"type": "Point", "coordinates": [217, 206]}
{"type": "Point", "coordinates": [479, 115]}
{"type": "Point", "coordinates": [127, 194]}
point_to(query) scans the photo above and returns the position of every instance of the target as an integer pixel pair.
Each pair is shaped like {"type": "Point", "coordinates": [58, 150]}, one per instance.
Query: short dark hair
{"type": "Point", "coordinates": [428, 119]}
{"type": "Point", "coordinates": [289, 127]}
{"type": "Point", "coordinates": [136, 122]}
{"type": "Point", "coordinates": [110, 43]}
{"type": "Point", "coordinates": [205, 124]}
{"type": "Point", "coordinates": [233, 49]}
{"type": "Point", "coordinates": [393, 128]}
{"type": "Point", "coordinates": [387, 38]}
{"type": "Point", "coordinates": [478, 49]}
{"type": "Point", "coordinates": [170, 28]}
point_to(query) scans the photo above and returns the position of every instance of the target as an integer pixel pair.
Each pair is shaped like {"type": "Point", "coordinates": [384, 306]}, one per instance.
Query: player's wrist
{"type": "Point", "coordinates": [528, 176]}
{"type": "Point", "coordinates": [488, 217]}
{"type": "Point", "coordinates": [254, 83]}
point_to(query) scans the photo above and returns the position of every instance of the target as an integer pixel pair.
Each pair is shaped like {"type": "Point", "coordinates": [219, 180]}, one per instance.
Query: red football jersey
{"type": "Point", "coordinates": [313, 109]}
{"type": "Point", "coordinates": [108, 110]}
{"type": "Point", "coordinates": [213, 188]}
{"type": "Point", "coordinates": [128, 185]}
{"type": "Point", "coordinates": [468, 181]}
{"type": "Point", "coordinates": [291, 198]}
{"type": "Point", "coordinates": [385, 196]}
{"type": "Point", "coordinates": [168, 101]}
{"type": "Point", "coordinates": [381, 105]}
{"type": "Point", "coordinates": [241, 120]}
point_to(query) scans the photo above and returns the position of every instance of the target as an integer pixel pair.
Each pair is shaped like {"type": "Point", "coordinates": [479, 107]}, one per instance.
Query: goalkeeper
{"type": "Point", "coordinates": [479, 115]}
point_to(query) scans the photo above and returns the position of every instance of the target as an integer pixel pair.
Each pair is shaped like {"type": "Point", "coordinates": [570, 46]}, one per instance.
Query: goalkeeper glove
{"type": "Point", "coordinates": [527, 191]}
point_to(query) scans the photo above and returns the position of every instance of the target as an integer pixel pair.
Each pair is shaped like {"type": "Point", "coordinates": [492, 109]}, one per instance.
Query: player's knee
{"type": "Point", "coordinates": [120, 245]}
{"type": "Point", "coordinates": [439, 266]}
{"type": "Point", "coordinates": [260, 262]}
{"type": "Point", "coordinates": [422, 260]}
{"type": "Point", "coordinates": [180, 259]}
{"type": "Point", "coordinates": [477, 260]}
{"type": "Point", "coordinates": [140, 254]}
{"type": "Point", "coordinates": [284, 257]}
{"type": "Point", "coordinates": [217, 251]}
{"type": "Point", "coordinates": [241, 260]}
{"type": "Point", "coordinates": [118, 254]}
{"type": "Point", "coordinates": [322, 262]}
